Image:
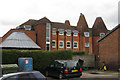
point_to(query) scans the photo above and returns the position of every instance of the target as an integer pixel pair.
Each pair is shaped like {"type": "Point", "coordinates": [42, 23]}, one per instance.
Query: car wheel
{"type": "Point", "coordinates": [60, 76]}
{"type": "Point", "coordinates": [46, 74]}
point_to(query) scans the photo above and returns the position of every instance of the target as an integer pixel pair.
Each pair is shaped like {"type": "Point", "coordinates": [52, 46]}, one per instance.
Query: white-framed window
{"type": "Point", "coordinates": [53, 44]}
{"type": "Point", "coordinates": [102, 34]}
{"type": "Point", "coordinates": [68, 32]}
{"type": "Point", "coordinates": [54, 31]}
{"type": "Point", "coordinates": [86, 44]}
{"type": "Point", "coordinates": [61, 44]}
{"type": "Point", "coordinates": [75, 33]}
{"type": "Point", "coordinates": [68, 44]}
{"type": "Point", "coordinates": [86, 34]}
{"type": "Point", "coordinates": [61, 31]}
{"type": "Point", "coordinates": [27, 27]}
{"type": "Point", "coordinates": [75, 44]}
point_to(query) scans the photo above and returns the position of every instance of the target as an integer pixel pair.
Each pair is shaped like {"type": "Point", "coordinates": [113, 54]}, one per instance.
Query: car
{"type": "Point", "coordinates": [31, 75]}
{"type": "Point", "coordinates": [65, 68]}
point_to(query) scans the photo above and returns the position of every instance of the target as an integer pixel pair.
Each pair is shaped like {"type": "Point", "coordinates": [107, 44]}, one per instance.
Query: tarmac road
{"type": "Point", "coordinates": [94, 75]}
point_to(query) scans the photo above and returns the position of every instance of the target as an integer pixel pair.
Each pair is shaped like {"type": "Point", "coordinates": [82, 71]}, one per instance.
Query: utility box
{"type": "Point", "coordinates": [25, 64]}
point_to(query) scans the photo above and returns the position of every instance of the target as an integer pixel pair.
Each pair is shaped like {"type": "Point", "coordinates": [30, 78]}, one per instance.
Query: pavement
{"type": "Point", "coordinates": [95, 75]}
{"type": "Point", "coordinates": [100, 74]}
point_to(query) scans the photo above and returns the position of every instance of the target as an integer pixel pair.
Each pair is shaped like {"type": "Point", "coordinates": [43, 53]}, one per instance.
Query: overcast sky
{"type": "Point", "coordinates": [15, 12]}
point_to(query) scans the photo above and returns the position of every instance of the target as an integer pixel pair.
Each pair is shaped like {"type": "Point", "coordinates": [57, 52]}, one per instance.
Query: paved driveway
{"type": "Point", "coordinates": [95, 75]}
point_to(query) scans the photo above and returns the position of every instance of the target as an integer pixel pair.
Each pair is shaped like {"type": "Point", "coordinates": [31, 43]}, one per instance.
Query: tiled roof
{"type": "Point", "coordinates": [29, 22]}
{"type": "Point", "coordinates": [42, 21]}
{"type": "Point", "coordinates": [99, 27]}
{"type": "Point", "coordinates": [18, 40]}
{"type": "Point", "coordinates": [58, 25]}
{"type": "Point", "coordinates": [109, 33]}
{"type": "Point", "coordinates": [82, 24]}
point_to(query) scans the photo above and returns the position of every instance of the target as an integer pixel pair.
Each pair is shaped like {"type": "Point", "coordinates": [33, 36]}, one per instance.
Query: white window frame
{"type": "Point", "coordinates": [63, 44]}
{"type": "Point", "coordinates": [74, 44]}
{"type": "Point", "coordinates": [52, 43]}
{"type": "Point", "coordinates": [86, 34]}
{"type": "Point", "coordinates": [87, 44]}
{"type": "Point", "coordinates": [61, 31]}
{"type": "Point", "coordinates": [54, 31]}
{"type": "Point", "coordinates": [68, 32]}
{"type": "Point", "coordinates": [27, 27]}
{"type": "Point", "coordinates": [102, 34]}
{"type": "Point", "coordinates": [67, 44]}
{"type": "Point", "coordinates": [75, 33]}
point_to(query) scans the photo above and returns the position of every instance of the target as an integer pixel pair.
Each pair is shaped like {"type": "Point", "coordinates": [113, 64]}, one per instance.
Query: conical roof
{"type": "Point", "coordinates": [19, 40]}
{"type": "Point", "coordinates": [82, 24]}
{"type": "Point", "coordinates": [99, 27]}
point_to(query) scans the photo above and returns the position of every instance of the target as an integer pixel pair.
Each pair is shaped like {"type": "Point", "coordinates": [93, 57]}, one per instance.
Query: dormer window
{"type": "Point", "coordinates": [68, 32]}
{"type": "Point", "coordinates": [54, 31]}
{"type": "Point", "coordinates": [75, 33]}
{"type": "Point", "coordinates": [27, 27]}
{"type": "Point", "coordinates": [102, 34]}
{"type": "Point", "coordinates": [61, 31]}
{"type": "Point", "coordinates": [86, 34]}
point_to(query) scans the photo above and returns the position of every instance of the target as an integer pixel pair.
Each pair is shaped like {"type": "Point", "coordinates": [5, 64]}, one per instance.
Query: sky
{"type": "Point", "coordinates": [15, 12]}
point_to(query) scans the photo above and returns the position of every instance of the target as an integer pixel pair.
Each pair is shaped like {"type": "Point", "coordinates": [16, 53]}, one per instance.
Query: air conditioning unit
{"type": "Point", "coordinates": [27, 27]}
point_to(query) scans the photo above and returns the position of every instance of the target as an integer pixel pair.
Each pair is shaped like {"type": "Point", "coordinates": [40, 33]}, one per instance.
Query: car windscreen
{"type": "Point", "coordinates": [70, 64]}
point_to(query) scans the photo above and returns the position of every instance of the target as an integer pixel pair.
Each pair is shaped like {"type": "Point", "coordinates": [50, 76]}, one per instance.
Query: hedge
{"type": "Point", "coordinates": [41, 59]}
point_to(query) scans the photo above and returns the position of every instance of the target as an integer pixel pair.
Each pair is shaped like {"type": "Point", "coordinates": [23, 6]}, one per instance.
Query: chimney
{"type": "Point", "coordinates": [67, 22]}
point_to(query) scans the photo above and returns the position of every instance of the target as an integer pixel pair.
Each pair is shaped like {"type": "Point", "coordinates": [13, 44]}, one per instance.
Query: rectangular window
{"type": "Point", "coordinates": [102, 34]}
{"type": "Point", "coordinates": [61, 44]}
{"type": "Point", "coordinates": [86, 34]}
{"type": "Point", "coordinates": [68, 44]}
{"type": "Point", "coordinates": [75, 44]}
{"type": "Point", "coordinates": [54, 31]}
{"type": "Point", "coordinates": [53, 44]}
{"type": "Point", "coordinates": [48, 27]}
{"type": "Point", "coordinates": [86, 44]}
{"type": "Point", "coordinates": [68, 32]}
{"type": "Point", "coordinates": [61, 31]}
{"type": "Point", "coordinates": [75, 33]}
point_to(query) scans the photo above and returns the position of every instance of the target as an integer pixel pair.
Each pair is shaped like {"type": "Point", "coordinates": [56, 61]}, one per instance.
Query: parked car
{"type": "Point", "coordinates": [65, 68]}
{"type": "Point", "coordinates": [32, 75]}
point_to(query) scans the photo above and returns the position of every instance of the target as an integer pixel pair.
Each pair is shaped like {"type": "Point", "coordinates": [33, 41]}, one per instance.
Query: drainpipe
{"type": "Point", "coordinates": [79, 40]}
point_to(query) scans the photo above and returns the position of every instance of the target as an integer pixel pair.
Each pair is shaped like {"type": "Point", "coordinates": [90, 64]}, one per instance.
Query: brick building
{"type": "Point", "coordinates": [109, 48]}
{"type": "Point", "coordinates": [57, 36]}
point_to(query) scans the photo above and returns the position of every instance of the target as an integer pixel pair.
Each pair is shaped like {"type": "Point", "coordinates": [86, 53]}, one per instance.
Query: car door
{"type": "Point", "coordinates": [51, 69]}
{"type": "Point", "coordinates": [58, 68]}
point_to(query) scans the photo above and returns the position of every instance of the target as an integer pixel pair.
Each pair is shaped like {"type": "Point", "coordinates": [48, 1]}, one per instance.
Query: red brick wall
{"type": "Point", "coordinates": [108, 50]}
{"type": "Point", "coordinates": [95, 44]}
{"type": "Point", "coordinates": [90, 45]}
{"type": "Point", "coordinates": [41, 35]}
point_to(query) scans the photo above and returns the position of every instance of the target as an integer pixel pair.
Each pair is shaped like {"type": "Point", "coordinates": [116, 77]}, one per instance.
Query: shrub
{"type": "Point", "coordinates": [79, 53]}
